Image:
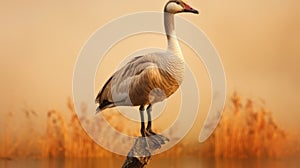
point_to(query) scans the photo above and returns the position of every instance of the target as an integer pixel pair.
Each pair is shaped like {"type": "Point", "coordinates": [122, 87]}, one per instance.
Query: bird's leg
{"type": "Point", "coordinates": [149, 125]}
{"type": "Point", "coordinates": [146, 148]}
{"type": "Point", "coordinates": [143, 131]}
{"type": "Point", "coordinates": [158, 139]}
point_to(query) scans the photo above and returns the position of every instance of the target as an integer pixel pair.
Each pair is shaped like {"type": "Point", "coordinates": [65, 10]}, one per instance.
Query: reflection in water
{"type": "Point", "coordinates": [187, 162]}
{"type": "Point", "coordinates": [62, 163]}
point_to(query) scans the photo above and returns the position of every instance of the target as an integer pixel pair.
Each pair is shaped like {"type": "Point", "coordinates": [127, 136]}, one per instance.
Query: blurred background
{"type": "Point", "coordinates": [258, 42]}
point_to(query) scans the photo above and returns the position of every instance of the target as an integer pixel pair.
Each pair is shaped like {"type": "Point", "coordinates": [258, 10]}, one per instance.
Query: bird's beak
{"type": "Point", "coordinates": [187, 8]}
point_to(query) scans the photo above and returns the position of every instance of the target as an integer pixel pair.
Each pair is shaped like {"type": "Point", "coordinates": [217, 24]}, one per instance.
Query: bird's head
{"type": "Point", "coordinates": [178, 6]}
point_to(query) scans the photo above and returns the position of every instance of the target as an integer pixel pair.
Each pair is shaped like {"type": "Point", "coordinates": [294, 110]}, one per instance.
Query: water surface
{"type": "Point", "coordinates": [187, 162]}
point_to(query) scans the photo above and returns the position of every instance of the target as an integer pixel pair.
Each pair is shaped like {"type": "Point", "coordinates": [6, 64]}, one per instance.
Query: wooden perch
{"type": "Point", "coordinates": [140, 154]}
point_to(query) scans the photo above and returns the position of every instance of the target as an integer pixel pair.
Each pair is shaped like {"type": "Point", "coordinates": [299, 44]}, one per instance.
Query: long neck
{"type": "Point", "coordinates": [173, 45]}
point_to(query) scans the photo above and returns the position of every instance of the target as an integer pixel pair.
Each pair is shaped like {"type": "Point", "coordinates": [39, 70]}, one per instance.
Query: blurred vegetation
{"type": "Point", "coordinates": [246, 130]}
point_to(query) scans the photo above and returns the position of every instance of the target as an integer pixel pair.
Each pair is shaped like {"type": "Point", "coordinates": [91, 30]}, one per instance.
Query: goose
{"type": "Point", "coordinates": [150, 78]}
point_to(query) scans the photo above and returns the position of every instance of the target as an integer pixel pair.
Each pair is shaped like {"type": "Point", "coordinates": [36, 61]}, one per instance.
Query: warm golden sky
{"type": "Point", "coordinates": [258, 42]}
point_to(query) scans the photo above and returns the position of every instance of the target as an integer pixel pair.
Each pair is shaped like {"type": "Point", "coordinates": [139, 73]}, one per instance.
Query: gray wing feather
{"type": "Point", "coordinates": [120, 81]}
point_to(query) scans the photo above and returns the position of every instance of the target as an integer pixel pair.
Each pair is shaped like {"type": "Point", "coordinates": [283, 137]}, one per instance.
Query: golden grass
{"type": "Point", "coordinates": [249, 131]}
{"type": "Point", "coordinates": [245, 131]}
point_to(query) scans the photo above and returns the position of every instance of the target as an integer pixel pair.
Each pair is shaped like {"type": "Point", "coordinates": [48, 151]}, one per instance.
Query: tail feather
{"type": "Point", "coordinates": [102, 97]}
{"type": "Point", "coordinates": [104, 104]}
{"type": "Point", "coordinates": [98, 110]}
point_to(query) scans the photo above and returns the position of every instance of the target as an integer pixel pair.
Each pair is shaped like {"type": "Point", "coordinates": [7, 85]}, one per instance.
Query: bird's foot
{"type": "Point", "coordinates": [161, 138]}
{"type": "Point", "coordinates": [155, 140]}
{"type": "Point", "coordinates": [147, 150]}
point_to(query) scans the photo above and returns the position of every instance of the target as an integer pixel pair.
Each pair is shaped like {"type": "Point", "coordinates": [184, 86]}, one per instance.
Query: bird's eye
{"type": "Point", "coordinates": [178, 3]}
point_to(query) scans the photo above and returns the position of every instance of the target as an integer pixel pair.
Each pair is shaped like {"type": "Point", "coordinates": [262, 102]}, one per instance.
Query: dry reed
{"type": "Point", "coordinates": [245, 131]}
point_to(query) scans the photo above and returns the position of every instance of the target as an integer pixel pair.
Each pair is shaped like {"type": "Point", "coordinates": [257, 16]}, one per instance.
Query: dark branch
{"type": "Point", "coordinates": [140, 154]}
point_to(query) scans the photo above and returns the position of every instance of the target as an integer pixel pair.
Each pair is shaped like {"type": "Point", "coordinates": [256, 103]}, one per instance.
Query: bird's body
{"type": "Point", "coordinates": [150, 78]}
{"type": "Point", "coordinates": [144, 80]}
